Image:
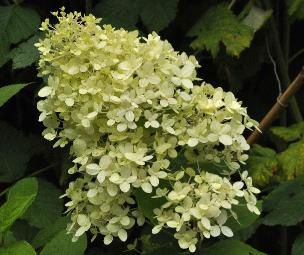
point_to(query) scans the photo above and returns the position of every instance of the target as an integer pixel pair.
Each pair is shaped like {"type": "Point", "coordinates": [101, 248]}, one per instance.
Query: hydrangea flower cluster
{"type": "Point", "coordinates": [201, 205]}
{"type": "Point", "coordinates": [128, 106]}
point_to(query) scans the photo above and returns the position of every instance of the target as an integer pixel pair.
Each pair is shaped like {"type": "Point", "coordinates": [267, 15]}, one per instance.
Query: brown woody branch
{"type": "Point", "coordinates": [281, 103]}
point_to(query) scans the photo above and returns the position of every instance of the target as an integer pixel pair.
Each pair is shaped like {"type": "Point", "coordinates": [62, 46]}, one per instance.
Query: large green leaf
{"type": "Point", "coordinates": [47, 207]}
{"type": "Point", "coordinates": [9, 238]}
{"type": "Point", "coordinates": [289, 134]}
{"type": "Point", "coordinates": [17, 23]}
{"type": "Point", "coordinates": [239, 71]}
{"type": "Point", "coordinates": [7, 92]}
{"type": "Point", "coordinates": [262, 164]}
{"type": "Point", "coordinates": [298, 246]}
{"type": "Point", "coordinates": [231, 247]}
{"type": "Point", "coordinates": [118, 13]}
{"type": "Point", "coordinates": [22, 231]}
{"type": "Point", "coordinates": [47, 234]}
{"type": "Point", "coordinates": [15, 152]}
{"type": "Point", "coordinates": [161, 243]}
{"type": "Point", "coordinates": [62, 244]}
{"type": "Point", "coordinates": [18, 248]}
{"type": "Point", "coordinates": [285, 204]}
{"type": "Point", "coordinates": [157, 14]}
{"type": "Point", "coordinates": [296, 9]}
{"type": "Point", "coordinates": [4, 51]}
{"type": "Point", "coordinates": [147, 204]}
{"type": "Point", "coordinates": [220, 25]}
{"type": "Point", "coordinates": [25, 54]}
{"type": "Point", "coordinates": [245, 218]}
{"type": "Point", "coordinates": [292, 160]}
{"type": "Point", "coordinates": [19, 198]}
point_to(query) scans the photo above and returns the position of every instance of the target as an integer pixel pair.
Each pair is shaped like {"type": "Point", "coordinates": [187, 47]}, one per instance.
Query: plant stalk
{"type": "Point", "coordinates": [285, 32]}
{"type": "Point", "coordinates": [281, 104]}
{"type": "Point", "coordinates": [283, 241]}
{"type": "Point", "coordinates": [32, 174]}
{"type": "Point", "coordinates": [88, 6]}
{"type": "Point", "coordinates": [296, 55]}
{"type": "Point", "coordinates": [283, 68]}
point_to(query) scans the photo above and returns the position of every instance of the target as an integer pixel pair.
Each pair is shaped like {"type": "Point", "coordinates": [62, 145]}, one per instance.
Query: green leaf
{"type": "Point", "coordinates": [241, 70]}
{"type": "Point", "coordinates": [161, 243]}
{"type": "Point", "coordinates": [25, 54]}
{"type": "Point", "coordinates": [62, 244]}
{"type": "Point", "coordinates": [4, 51]}
{"type": "Point", "coordinates": [262, 164]}
{"type": "Point", "coordinates": [22, 231]}
{"type": "Point", "coordinates": [155, 14]}
{"type": "Point", "coordinates": [47, 234]}
{"type": "Point", "coordinates": [17, 23]}
{"type": "Point", "coordinates": [19, 198]}
{"type": "Point", "coordinates": [246, 233]}
{"type": "Point", "coordinates": [47, 207]}
{"type": "Point", "coordinates": [13, 158]}
{"type": "Point", "coordinates": [231, 247]}
{"type": "Point", "coordinates": [292, 160]}
{"type": "Point", "coordinates": [245, 217]}
{"type": "Point", "coordinates": [7, 92]}
{"type": "Point", "coordinates": [18, 248]}
{"type": "Point", "coordinates": [218, 25]}
{"type": "Point", "coordinates": [289, 134]}
{"type": "Point", "coordinates": [296, 9]}
{"type": "Point", "coordinates": [158, 14]}
{"type": "Point", "coordinates": [256, 18]}
{"type": "Point", "coordinates": [118, 13]}
{"type": "Point", "coordinates": [285, 204]}
{"type": "Point", "coordinates": [298, 246]}
{"type": "Point", "coordinates": [9, 238]}
{"type": "Point", "coordinates": [147, 204]}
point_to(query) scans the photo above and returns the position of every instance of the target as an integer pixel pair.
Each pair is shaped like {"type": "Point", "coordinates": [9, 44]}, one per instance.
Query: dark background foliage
{"type": "Point", "coordinates": [251, 47]}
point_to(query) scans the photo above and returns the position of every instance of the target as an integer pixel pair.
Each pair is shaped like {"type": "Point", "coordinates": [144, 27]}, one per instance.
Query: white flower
{"type": "Point", "coordinates": [128, 106]}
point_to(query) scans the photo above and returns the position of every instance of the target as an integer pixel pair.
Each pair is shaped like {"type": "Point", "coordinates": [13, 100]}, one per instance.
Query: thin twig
{"type": "Point", "coordinates": [285, 31]}
{"type": "Point", "coordinates": [274, 67]}
{"type": "Point", "coordinates": [42, 170]}
{"type": "Point", "coordinates": [4, 191]}
{"type": "Point", "coordinates": [30, 175]}
{"type": "Point", "coordinates": [283, 241]}
{"type": "Point", "coordinates": [283, 67]}
{"type": "Point", "coordinates": [231, 4]}
{"type": "Point", "coordinates": [281, 104]}
{"type": "Point", "coordinates": [296, 55]}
